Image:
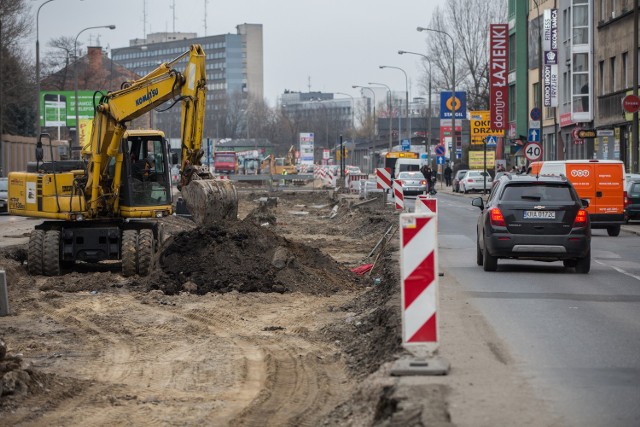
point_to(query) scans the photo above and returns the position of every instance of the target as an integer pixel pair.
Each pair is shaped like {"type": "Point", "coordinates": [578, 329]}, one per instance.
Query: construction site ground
{"type": "Point", "coordinates": [257, 322]}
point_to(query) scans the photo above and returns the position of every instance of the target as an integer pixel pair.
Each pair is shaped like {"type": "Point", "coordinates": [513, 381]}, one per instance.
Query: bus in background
{"type": "Point", "coordinates": [392, 157]}
{"type": "Point", "coordinates": [225, 162]}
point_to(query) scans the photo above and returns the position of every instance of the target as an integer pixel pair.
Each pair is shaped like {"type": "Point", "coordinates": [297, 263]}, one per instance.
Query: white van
{"type": "Point", "coordinates": [407, 165]}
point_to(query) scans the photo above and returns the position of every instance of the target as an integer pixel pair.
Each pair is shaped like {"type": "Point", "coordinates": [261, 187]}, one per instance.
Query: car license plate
{"type": "Point", "coordinates": [539, 215]}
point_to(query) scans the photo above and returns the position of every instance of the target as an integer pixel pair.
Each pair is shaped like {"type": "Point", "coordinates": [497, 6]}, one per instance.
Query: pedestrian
{"type": "Point", "coordinates": [428, 176]}
{"type": "Point", "coordinates": [447, 175]}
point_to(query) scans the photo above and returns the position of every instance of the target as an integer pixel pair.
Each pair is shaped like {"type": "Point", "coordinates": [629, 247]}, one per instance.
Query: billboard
{"type": "Point", "coordinates": [498, 75]}
{"type": "Point", "coordinates": [476, 159]}
{"type": "Point", "coordinates": [58, 108]}
{"type": "Point", "coordinates": [480, 124]}
{"type": "Point", "coordinates": [306, 148]}
{"type": "Point", "coordinates": [447, 107]}
{"type": "Point", "coordinates": [550, 67]}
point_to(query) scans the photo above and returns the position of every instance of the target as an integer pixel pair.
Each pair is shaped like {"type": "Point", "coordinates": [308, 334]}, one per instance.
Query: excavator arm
{"type": "Point", "coordinates": [140, 97]}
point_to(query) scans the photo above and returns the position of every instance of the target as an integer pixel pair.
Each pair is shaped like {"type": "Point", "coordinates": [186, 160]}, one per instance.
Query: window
{"type": "Point", "coordinates": [580, 22]}
{"type": "Point", "coordinates": [580, 84]}
{"type": "Point", "coordinates": [536, 94]}
{"type": "Point", "coordinates": [601, 75]}
{"type": "Point", "coordinates": [625, 74]}
{"type": "Point", "coordinates": [512, 52]}
{"type": "Point", "coordinates": [612, 74]}
{"type": "Point", "coordinates": [512, 103]}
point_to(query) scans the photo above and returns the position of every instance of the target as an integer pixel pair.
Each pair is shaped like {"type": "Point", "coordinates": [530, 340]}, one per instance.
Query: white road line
{"type": "Point", "coordinates": [619, 270]}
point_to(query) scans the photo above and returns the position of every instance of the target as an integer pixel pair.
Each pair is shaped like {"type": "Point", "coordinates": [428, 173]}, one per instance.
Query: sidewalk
{"type": "Point", "coordinates": [633, 228]}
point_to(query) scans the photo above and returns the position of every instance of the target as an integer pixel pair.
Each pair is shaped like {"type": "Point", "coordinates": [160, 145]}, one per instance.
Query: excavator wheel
{"type": "Point", "coordinates": [145, 251]}
{"type": "Point", "coordinates": [129, 252]}
{"type": "Point", "coordinates": [211, 200]}
{"type": "Point", "coordinates": [34, 253]}
{"type": "Point", "coordinates": [51, 253]}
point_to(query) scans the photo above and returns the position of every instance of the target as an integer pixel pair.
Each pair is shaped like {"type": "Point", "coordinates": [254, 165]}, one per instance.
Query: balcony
{"type": "Point", "coordinates": [610, 107]}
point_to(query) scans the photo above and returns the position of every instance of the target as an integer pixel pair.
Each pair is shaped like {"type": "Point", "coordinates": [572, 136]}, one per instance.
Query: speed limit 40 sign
{"type": "Point", "coordinates": [533, 151]}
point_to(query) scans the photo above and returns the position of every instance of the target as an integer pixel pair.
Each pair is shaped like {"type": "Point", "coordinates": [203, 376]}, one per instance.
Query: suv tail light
{"type": "Point", "coordinates": [496, 218]}
{"type": "Point", "coordinates": [626, 200]}
{"type": "Point", "coordinates": [581, 219]}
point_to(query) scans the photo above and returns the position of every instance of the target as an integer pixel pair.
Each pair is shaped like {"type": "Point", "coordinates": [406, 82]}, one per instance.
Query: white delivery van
{"type": "Point", "coordinates": [407, 165]}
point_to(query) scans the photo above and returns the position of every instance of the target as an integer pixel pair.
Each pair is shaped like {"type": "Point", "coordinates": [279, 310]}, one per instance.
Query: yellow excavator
{"type": "Point", "coordinates": [106, 206]}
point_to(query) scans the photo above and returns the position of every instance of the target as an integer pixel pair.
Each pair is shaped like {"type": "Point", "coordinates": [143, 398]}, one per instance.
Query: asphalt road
{"type": "Point", "coordinates": [576, 337]}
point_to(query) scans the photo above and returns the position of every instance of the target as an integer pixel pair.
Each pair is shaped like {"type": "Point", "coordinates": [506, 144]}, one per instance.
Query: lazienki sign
{"type": "Point", "coordinates": [498, 75]}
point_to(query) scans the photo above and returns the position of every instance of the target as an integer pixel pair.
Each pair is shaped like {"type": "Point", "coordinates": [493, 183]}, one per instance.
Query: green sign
{"type": "Point", "coordinates": [58, 108]}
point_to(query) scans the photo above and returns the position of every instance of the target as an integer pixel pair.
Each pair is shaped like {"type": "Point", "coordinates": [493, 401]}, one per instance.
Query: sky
{"type": "Point", "coordinates": [322, 45]}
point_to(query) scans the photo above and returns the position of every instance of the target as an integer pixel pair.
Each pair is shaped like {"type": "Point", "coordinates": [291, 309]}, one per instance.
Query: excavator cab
{"type": "Point", "coordinates": [146, 181]}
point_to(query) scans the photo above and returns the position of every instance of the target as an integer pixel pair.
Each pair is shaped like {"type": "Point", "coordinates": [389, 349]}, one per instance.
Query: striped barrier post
{"type": "Point", "coordinates": [426, 204]}
{"type": "Point", "coordinates": [398, 195]}
{"type": "Point", "coordinates": [419, 294]}
{"type": "Point", "coordinates": [383, 182]}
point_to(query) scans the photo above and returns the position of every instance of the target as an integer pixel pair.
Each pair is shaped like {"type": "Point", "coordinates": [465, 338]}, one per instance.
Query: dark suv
{"type": "Point", "coordinates": [536, 218]}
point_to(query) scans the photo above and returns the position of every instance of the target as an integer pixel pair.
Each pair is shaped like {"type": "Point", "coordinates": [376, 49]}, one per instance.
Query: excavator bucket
{"type": "Point", "coordinates": [211, 200]}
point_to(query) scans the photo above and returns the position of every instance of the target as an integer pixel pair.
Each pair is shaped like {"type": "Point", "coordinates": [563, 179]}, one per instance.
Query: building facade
{"type": "Point", "coordinates": [594, 74]}
{"type": "Point", "coordinates": [234, 68]}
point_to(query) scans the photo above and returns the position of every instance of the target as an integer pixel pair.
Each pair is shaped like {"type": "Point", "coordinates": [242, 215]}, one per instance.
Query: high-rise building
{"type": "Point", "coordinates": [234, 68]}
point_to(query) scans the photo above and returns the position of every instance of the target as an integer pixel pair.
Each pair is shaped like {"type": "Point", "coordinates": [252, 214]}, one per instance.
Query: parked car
{"type": "Point", "coordinates": [474, 181]}
{"type": "Point", "coordinates": [413, 183]}
{"type": "Point", "coordinates": [632, 205]}
{"type": "Point", "coordinates": [4, 197]}
{"type": "Point", "coordinates": [534, 218]}
{"type": "Point", "coordinates": [352, 170]}
{"type": "Point", "coordinates": [456, 180]}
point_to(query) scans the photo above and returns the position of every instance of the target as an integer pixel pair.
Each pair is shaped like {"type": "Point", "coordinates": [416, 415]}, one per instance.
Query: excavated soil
{"type": "Point", "coordinates": [237, 321]}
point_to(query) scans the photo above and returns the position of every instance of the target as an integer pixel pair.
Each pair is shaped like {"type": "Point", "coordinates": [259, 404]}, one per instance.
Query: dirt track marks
{"type": "Point", "coordinates": [193, 360]}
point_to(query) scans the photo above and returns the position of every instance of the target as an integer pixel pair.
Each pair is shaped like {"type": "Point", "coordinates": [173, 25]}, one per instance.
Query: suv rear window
{"type": "Point", "coordinates": [537, 192]}
{"type": "Point", "coordinates": [634, 191]}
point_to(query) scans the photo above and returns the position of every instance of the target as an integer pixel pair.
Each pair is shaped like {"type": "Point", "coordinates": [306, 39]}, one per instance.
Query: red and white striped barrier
{"type": "Point", "coordinates": [353, 181]}
{"type": "Point", "coordinates": [398, 195]}
{"type": "Point", "coordinates": [419, 275]}
{"type": "Point", "coordinates": [330, 179]}
{"type": "Point", "coordinates": [383, 178]}
{"type": "Point", "coordinates": [425, 203]}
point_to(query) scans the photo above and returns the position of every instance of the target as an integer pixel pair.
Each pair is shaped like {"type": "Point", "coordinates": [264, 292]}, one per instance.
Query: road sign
{"type": "Point", "coordinates": [535, 114]}
{"type": "Point", "coordinates": [440, 160]}
{"type": "Point", "coordinates": [631, 103]}
{"type": "Point", "coordinates": [405, 145]}
{"type": "Point", "coordinates": [533, 151]}
{"type": "Point", "coordinates": [492, 141]}
{"type": "Point", "coordinates": [534, 135]}
{"type": "Point", "coordinates": [534, 124]}
{"type": "Point", "coordinates": [440, 150]}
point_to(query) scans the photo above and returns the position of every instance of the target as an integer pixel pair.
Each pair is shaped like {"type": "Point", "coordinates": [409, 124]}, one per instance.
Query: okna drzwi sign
{"type": "Point", "coordinates": [481, 127]}
{"type": "Point", "coordinates": [498, 75]}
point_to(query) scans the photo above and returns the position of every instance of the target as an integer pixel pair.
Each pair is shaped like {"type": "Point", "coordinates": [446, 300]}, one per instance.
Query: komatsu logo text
{"type": "Point", "coordinates": [147, 97]}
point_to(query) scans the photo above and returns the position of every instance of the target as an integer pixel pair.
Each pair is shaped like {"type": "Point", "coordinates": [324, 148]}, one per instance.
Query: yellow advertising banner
{"type": "Point", "coordinates": [481, 127]}
{"type": "Point", "coordinates": [84, 137]}
{"type": "Point", "coordinates": [476, 159]}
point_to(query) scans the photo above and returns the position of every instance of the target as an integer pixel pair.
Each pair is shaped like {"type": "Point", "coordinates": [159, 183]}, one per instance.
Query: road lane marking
{"type": "Point", "coordinates": [619, 270]}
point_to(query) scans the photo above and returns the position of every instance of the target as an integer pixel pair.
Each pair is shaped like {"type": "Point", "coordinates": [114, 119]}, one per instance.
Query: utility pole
{"type": "Point", "coordinates": [635, 146]}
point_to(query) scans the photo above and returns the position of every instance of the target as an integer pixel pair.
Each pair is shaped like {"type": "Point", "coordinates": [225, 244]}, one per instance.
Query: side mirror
{"type": "Point", "coordinates": [39, 150]}
{"type": "Point", "coordinates": [478, 202]}
{"type": "Point", "coordinates": [585, 203]}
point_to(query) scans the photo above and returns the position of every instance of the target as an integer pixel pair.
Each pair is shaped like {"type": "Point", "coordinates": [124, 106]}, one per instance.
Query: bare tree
{"type": "Point", "coordinates": [17, 106]}
{"type": "Point", "coordinates": [467, 22]}
{"type": "Point", "coordinates": [57, 60]}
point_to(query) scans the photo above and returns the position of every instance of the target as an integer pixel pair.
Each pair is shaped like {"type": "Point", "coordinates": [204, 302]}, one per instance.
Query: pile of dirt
{"type": "Point", "coordinates": [243, 256]}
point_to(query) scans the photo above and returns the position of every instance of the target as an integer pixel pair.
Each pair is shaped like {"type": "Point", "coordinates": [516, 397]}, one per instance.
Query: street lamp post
{"type": "Point", "coordinates": [388, 112]}
{"type": "Point", "coordinates": [75, 85]}
{"type": "Point", "coordinates": [402, 52]}
{"type": "Point", "coordinates": [453, 81]}
{"type": "Point", "coordinates": [38, 128]}
{"type": "Point", "coordinates": [353, 106]}
{"type": "Point", "coordinates": [406, 82]}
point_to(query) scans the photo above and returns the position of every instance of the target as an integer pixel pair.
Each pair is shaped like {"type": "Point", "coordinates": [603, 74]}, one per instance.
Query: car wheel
{"type": "Point", "coordinates": [479, 259]}
{"type": "Point", "coordinates": [613, 230]}
{"type": "Point", "coordinates": [583, 265]}
{"type": "Point", "coordinates": [489, 262]}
